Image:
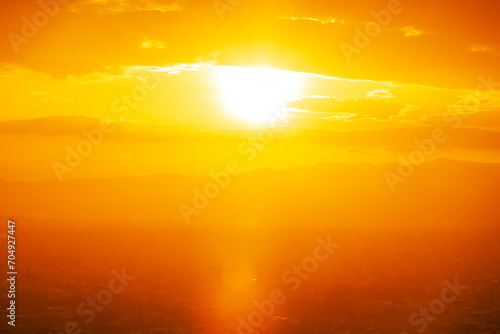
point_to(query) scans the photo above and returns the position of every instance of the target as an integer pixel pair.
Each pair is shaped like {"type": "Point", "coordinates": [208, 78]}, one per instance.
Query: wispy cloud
{"type": "Point", "coordinates": [380, 93]}
{"type": "Point", "coordinates": [117, 6]}
{"type": "Point", "coordinates": [410, 31]}
{"type": "Point", "coordinates": [480, 48]}
{"type": "Point", "coordinates": [370, 107]}
{"type": "Point", "coordinates": [313, 19]}
{"type": "Point", "coordinates": [153, 44]}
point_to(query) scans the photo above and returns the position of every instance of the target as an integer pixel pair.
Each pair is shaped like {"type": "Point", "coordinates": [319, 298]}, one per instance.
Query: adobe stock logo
{"type": "Point", "coordinates": [454, 116]}
{"type": "Point", "coordinates": [371, 29]}
{"type": "Point", "coordinates": [221, 7]}
{"type": "Point", "coordinates": [436, 307]}
{"type": "Point", "coordinates": [103, 297]}
{"type": "Point", "coordinates": [293, 277]}
{"type": "Point", "coordinates": [40, 19]}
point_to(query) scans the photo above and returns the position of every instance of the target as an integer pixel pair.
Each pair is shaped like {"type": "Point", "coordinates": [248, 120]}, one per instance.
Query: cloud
{"type": "Point", "coordinates": [380, 93]}
{"type": "Point", "coordinates": [377, 106]}
{"type": "Point", "coordinates": [410, 31]}
{"type": "Point", "coordinates": [484, 49]}
{"type": "Point", "coordinates": [153, 44]}
{"type": "Point", "coordinates": [339, 117]}
{"type": "Point", "coordinates": [64, 125]}
{"type": "Point", "coordinates": [479, 48]}
{"type": "Point", "coordinates": [312, 19]}
{"type": "Point", "coordinates": [117, 6]}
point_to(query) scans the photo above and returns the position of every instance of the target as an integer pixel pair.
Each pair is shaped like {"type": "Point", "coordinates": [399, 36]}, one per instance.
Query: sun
{"type": "Point", "coordinates": [256, 95]}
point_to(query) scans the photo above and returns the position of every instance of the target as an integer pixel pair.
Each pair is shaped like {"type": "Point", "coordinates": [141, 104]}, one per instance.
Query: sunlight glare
{"type": "Point", "coordinates": [251, 94]}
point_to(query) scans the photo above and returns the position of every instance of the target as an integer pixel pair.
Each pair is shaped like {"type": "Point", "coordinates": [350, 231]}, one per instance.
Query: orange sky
{"type": "Point", "coordinates": [154, 69]}
{"type": "Point", "coordinates": [206, 143]}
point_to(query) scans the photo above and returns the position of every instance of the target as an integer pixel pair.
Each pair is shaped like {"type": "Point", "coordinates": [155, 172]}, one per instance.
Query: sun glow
{"type": "Point", "coordinates": [255, 94]}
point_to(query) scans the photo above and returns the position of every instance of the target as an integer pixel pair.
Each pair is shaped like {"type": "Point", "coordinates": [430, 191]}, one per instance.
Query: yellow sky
{"type": "Point", "coordinates": [159, 70]}
{"type": "Point", "coordinates": [74, 57]}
